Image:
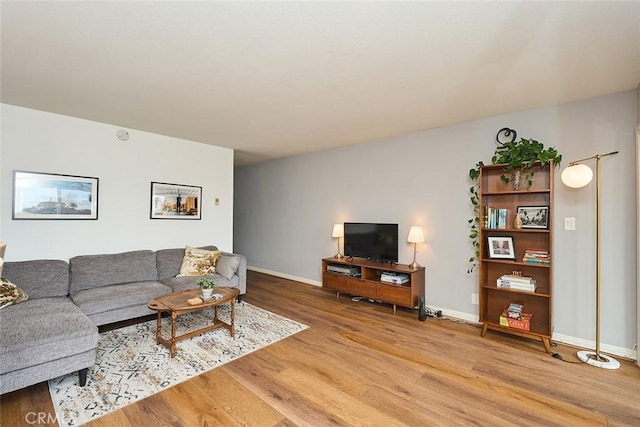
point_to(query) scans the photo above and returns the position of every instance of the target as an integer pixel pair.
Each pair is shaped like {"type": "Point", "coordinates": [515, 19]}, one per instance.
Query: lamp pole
{"type": "Point", "coordinates": [589, 357]}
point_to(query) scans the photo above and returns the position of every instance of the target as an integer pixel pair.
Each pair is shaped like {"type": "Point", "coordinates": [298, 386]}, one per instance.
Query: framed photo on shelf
{"type": "Point", "coordinates": [501, 247]}
{"type": "Point", "coordinates": [175, 201]}
{"type": "Point", "coordinates": [534, 216]}
{"type": "Point", "coordinates": [38, 195]}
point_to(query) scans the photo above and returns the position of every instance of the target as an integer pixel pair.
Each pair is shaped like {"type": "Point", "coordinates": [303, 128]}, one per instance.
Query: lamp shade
{"type": "Point", "coordinates": [577, 176]}
{"type": "Point", "coordinates": [338, 230]}
{"type": "Point", "coordinates": [415, 234]}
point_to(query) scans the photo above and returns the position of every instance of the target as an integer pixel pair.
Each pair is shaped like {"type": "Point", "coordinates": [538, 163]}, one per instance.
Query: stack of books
{"type": "Point", "coordinates": [536, 257]}
{"type": "Point", "coordinates": [515, 317]}
{"type": "Point", "coordinates": [519, 283]}
{"type": "Point", "coordinates": [495, 217]}
{"type": "Point", "coordinates": [395, 278]}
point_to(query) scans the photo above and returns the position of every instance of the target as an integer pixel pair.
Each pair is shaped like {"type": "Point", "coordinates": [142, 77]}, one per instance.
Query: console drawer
{"type": "Point", "coordinates": [363, 288]}
{"type": "Point", "coordinates": [395, 294]}
{"type": "Point", "coordinates": [335, 281]}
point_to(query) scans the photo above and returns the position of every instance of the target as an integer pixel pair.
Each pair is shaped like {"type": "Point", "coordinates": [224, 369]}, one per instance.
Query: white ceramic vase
{"type": "Point", "coordinates": [206, 293]}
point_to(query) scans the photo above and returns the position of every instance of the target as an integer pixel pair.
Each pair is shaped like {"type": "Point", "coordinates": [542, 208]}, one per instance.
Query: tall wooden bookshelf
{"type": "Point", "coordinates": [495, 194]}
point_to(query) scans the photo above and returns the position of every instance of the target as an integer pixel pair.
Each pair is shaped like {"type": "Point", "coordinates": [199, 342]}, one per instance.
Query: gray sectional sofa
{"type": "Point", "coordinates": [55, 331]}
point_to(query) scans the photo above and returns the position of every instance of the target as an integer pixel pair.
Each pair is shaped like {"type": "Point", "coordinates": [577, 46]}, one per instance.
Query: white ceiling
{"type": "Point", "coordinates": [276, 79]}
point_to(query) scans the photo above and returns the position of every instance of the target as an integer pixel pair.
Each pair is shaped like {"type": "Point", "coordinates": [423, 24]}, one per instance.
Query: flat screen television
{"type": "Point", "coordinates": [378, 242]}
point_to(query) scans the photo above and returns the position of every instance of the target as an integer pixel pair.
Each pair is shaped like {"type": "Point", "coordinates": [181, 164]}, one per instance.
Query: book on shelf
{"type": "Point", "coordinates": [502, 218]}
{"type": "Point", "coordinates": [536, 260]}
{"type": "Point", "coordinates": [520, 279]}
{"type": "Point", "coordinates": [535, 251]}
{"type": "Point", "coordinates": [520, 283]}
{"type": "Point", "coordinates": [494, 217]}
{"type": "Point", "coordinates": [536, 256]}
{"type": "Point", "coordinates": [516, 286]}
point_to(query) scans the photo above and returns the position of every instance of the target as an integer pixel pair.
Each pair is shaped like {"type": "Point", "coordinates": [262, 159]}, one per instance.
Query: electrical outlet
{"type": "Point", "coordinates": [474, 299]}
{"type": "Point", "coordinates": [569, 223]}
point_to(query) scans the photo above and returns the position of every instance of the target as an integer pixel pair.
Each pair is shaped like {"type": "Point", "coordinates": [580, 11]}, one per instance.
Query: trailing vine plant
{"type": "Point", "coordinates": [516, 156]}
{"type": "Point", "coordinates": [474, 223]}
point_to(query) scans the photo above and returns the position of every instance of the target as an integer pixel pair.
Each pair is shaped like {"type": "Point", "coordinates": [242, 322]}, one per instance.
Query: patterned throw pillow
{"type": "Point", "coordinates": [198, 262]}
{"type": "Point", "coordinates": [10, 294]}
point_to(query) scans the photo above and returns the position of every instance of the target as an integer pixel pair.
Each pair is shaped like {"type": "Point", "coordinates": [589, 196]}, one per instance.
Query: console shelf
{"type": "Point", "coordinates": [364, 280]}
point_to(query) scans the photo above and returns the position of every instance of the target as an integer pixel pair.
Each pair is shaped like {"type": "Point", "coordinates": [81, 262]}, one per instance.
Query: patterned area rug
{"type": "Point", "coordinates": [131, 366]}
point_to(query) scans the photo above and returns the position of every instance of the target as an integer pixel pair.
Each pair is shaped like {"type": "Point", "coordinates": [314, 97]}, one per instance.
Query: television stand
{"type": "Point", "coordinates": [367, 283]}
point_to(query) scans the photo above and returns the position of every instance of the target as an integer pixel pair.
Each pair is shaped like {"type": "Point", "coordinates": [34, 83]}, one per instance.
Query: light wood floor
{"type": "Point", "coordinates": [358, 364]}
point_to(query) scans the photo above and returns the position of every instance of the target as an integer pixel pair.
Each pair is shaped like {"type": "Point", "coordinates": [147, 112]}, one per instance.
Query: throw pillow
{"type": "Point", "coordinates": [198, 262]}
{"type": "Point", "coordinates": [10, 294]}
{"type": "Point", "coordinates": [227, 265]}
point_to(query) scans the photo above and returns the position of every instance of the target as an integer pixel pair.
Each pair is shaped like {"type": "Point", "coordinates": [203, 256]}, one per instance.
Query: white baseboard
{"type": "Point", "coordinates": [285, 276]}
{"type": "Point", "coordinates": [473, 318]}
{"type": "Point", "coordinates": [590, 345]}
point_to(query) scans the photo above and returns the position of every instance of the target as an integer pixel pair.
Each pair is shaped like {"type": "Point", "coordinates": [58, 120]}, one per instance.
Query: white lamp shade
{"type": "Point", "coordinates": [577, 176]}
{"type": "Point", "coordinates": [338, 230]}
{"type": "Point", "coordinates": [416, 234]}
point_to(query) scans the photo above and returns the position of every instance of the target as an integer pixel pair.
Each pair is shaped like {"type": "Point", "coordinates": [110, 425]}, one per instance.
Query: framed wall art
{"type": "Point", "coordinates": [501, 247]}
{"type": "Point", "coordinates": [38, 195]}
{"type": "Point", "coordinates": [175, 201]}
{"type": "Point", "coordinates": [534, 216]}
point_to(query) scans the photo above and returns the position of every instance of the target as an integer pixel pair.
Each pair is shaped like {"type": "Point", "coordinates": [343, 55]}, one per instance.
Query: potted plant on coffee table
{"type": "Point", "coordinates": [206, 285]}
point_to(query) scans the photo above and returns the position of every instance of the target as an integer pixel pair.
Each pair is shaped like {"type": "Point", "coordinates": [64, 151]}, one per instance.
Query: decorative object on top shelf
{"type": "Point", "coordinates": [501, 247]}
{"type": "Point", "coordinates": [534, 216]}
{"type": "Point", "coordinates": [416, 235]}
{"type": "Point", "coordinates": [338, 232]}
{"type": "Point", "coordinates": [518, 156]}
{"type": "Point", "coordinates": [578, 175]}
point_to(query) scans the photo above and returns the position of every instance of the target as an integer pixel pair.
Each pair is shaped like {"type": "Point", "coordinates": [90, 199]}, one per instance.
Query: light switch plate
{"type": "Point", "coordinates": [569, 223]}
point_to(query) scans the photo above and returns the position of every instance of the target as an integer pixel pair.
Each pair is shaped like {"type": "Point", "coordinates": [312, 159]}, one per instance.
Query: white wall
{"type": "Point", "coordinates": [37, 141]}
{"type": "Point", "coordinates": [285, 209]}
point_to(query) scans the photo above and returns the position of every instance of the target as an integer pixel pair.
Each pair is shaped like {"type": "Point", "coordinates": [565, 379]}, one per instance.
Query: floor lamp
{"type": "Point", "coordinates": [578, 175]}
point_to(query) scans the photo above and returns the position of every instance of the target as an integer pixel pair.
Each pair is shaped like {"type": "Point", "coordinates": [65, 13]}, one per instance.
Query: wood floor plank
{"type": "Point", "coordinates": [359, 364]}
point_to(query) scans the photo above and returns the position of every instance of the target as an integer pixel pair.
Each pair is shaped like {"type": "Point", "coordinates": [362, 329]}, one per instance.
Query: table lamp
{"type": "Point", "coordinates": [416, 236]}
{"type": "Point", "coordinates": [338, 232]}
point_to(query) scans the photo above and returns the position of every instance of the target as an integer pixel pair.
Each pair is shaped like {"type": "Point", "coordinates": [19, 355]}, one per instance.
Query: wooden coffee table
{"type": "Point", "coordinates": [176, 304]}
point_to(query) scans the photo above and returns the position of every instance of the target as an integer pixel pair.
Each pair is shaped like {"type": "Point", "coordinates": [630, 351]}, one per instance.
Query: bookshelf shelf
{"type": "Point", "coordinates": [495, 194]}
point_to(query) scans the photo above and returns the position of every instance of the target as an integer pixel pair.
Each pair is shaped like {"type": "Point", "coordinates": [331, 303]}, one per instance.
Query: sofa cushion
{"type": "Point", "coordinates": [183, 283]}
{"type": "Point", "coordinates": [227, 265]}
{"type": "Point", "coordinates": [40, 330]}
{"type": "Point", "coordinates": [10, 294]}
{"type": "Point", "coordinates": [169, 261]}
{"type": "Point", "coordinates": [198, 262]}
{"type": "Point", "coordinates": [96, 271]}
{"type": "Point", "coordinates": [114, 297]}
{"type": "Point", "coordinates": [39, 278]}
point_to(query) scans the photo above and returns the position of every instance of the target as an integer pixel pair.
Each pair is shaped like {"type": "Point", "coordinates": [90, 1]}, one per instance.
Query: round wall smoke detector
{"type": "Point", "coordinates": [123, 135]}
